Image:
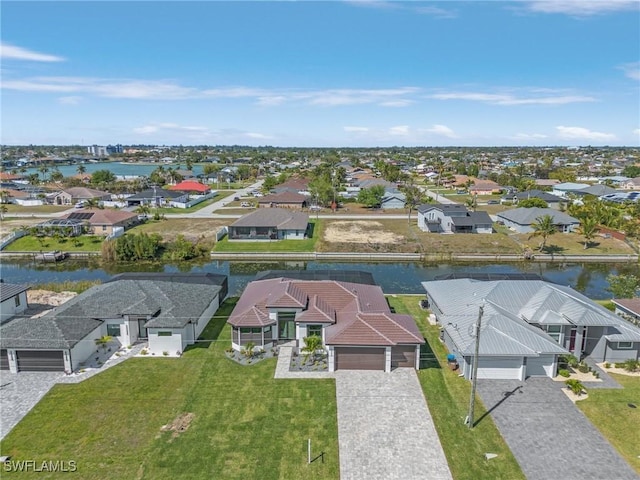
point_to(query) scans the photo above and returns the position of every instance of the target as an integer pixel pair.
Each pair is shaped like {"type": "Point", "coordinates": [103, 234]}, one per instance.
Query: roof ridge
{"type": "Point", "coordinates": [372, 328]}
{"type": "Point", "coordinates": [390, 316]}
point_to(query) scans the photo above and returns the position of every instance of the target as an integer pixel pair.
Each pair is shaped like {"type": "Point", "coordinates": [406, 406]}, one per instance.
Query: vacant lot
{"type": "Point", "coordinates": [573, 244]}
{"type": "Point", "coordinates": [495, 243]}
{"type": "Point", "coordinates": [13, 208]}
{"type": "Point", "coordinates": [191, 228]}
{"type": "Point", "coordinates": [8, 225]}
{"type": "Point", "coordinates": [29, 243]}
{"type": "Point", "coordinates": [368, 236]}
{"type": "Point", "coordinates": [239, 422]}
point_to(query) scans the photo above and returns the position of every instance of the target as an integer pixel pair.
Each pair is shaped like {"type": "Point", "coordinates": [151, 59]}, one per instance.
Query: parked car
{"type": "Point", "coordinates": [493, 202]}
{"type": "Point", "coordinates": [79, 205]}
{"type": "Point", "coordinates": [245, 204]}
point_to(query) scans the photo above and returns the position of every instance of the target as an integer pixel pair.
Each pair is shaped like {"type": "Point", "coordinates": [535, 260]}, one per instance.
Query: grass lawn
{"type": "Point", "coordinates": [191, 228]}
{"type": "Point", "coordinates": [87, 243]}
{"type": "Point", "coordinates": [306, 245]}
{"type": "Point", "coordinates": [13, 208]}
{"type": "Point", "coordinates": [195, 208]}
{"type": "Point", "coordinates": [495, 243]}
{"type": "Point", "coordinates": [246, 424]}
{"type": "Point", "coordinates": [608, 411]}
{"type": "Point", "coordinates": [573, 244]}
{"type": "Point", "coordinates": [448, 399]}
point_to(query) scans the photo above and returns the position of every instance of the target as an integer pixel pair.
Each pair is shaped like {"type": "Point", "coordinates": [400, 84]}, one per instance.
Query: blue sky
{"type": "Point", "coordinates": [325, 74]}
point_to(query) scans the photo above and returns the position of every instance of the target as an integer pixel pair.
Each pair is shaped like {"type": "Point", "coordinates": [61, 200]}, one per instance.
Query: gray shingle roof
{"type": "Point", "coordinates": [527, 216]}
{"type": "Point", "coordinates": [8, 290]}
{"type": "Point", "coordinates": [280, 218]}
{"type": "Point", "coordinates": [47, 332]}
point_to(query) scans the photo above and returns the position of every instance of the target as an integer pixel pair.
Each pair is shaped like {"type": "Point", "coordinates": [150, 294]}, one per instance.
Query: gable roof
{"type": "Point", "coordinates": [358, 314]}
{"type": "Point", "coordinates": [280, 218]}
{"type": "Point", "coordinates": [10, 290]}
{"type": "Point", "coordinates": [445, 208]}
{"type": "Point", "coordinates": [284, 197]}
{"type": "Point", "coordinates": [151, 194]}
{"type": "Point", "coordinates": [546, 196]}
{"type": "Point", "coordinates": [190, 186]}
{"type": "Point", "coordinates": [104, 216]}
{"type": "Point", "coordinates": [85, 193]}
{"type": "Point", "coordinates": [630, 304]}
{"type": "Point", "coordinates": [527, 216]}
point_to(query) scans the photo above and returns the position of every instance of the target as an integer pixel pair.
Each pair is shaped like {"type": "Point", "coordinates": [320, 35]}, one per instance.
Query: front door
{"type": "Point", "coordinates": [286, 330]}
{"type": "Point", "coordinates": [572, 339]}
{"type": "Point", "coordinates": [142, 332]}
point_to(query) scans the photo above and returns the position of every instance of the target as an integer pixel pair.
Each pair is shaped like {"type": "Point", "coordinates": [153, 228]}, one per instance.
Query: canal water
{"type": "Point", "coordinates": [118, 169]}
{"type": "Point", "coordinates": [589, 279]}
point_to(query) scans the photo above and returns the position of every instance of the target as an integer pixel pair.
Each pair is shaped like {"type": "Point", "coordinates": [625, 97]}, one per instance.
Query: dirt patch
{"type": "Point", "coordinates": [193, 229]}
{"type": "Point", "coordinates": [179, 424]}
{"type": "Point", "coordinates": [360, 231]}
{"type": "Point", "coordinates": [42, 301]}
{"type": "Point", "coordinates": [9, 225]}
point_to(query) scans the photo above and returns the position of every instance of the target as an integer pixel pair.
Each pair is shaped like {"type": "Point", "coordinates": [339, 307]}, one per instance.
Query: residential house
{"type": "Point", "coordinates": [293, 185]}
{"type": "Point", "coordinates": [13, 300]}
{"type": "Point", "coordinates": [104, 221]}
{"type": "Point", "coordinates": [484, 187]}
{"type": "Point", "coordinates": [628, 308]}
{"type": "Point", "coordinates": [169, 311]}
{"type": "Point", "coordinates": [73, 195]}
{"type": "Point", "coordinates": [564, 189]}
{"type": "Point", "coordinates": [452, 218]}
{"type": "Point", "coordinates": [393, 199]}
{"type": "Point", "coordinates": [631, 184]}
{"type": "Point", "coordinates": [525, 325]}
{"type": "Point", "coordinates": [270, 224]}
{"type": "Point", "coordinates": [522, 219]}
{"type": "Point", "coordinates": [553, 201]}
{"type": "Point", "coordinates": [595, 190]}
{"type": "Point", "coordinates": [354, 321]}
{"type": "Point", "coordinates": [546, 182]}
{"type": "Point", "coordinates": [286, 199]}
{"type": "Point", "coordinates": [157, 197]}
{"type": "Point", "coordinates": [191, 187]}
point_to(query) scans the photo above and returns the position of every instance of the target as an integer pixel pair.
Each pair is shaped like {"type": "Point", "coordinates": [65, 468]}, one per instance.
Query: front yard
{"type": "Point", "coordinates": [243, 422]}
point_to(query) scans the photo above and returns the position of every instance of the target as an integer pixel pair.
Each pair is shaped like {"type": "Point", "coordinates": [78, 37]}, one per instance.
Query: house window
{"type": "Point", "coordinates": [555, 332]}
{"type": "Point", "coordinates": [104, 228]}
{"type": "Point", "coordinates": [165, 334]}
{"type": "Point", "coordinates": [113, 330]}
{"type": "Point", "coordinates": [17, 297]}
{"type": "Point", "coordinates": [314, 330]}
{"type": "Point", "coordinates": [625, 345]}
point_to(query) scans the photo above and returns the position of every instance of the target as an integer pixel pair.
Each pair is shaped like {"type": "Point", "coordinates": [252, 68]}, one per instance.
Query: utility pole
{"type": "Point", "coordinates": [474, 380]}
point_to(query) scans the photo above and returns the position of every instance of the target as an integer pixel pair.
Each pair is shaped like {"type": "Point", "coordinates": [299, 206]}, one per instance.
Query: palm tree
{"type": "Point", "coordinates": [543, 227]}
{"type": "Point", "coordinates": [103, 341]}
{"type": "Point", "coordinates": [312, 344]}
{"type": "Point", "coordinates": [44, 170]}
{"type": "Point", "coordinates": [143, 210]}
{"type": "Point", "coordinates": [588, 229]}
{"type": "Point", "coordinates": [81, 169]}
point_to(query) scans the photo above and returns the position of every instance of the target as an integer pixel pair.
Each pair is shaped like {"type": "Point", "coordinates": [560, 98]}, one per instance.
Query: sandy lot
{"type": "Point", "coordinates": [359, 231]}
{"type": "Point", "coordinates": [41, 301]}
{"type": "Point", "coordinates": [8, 225]}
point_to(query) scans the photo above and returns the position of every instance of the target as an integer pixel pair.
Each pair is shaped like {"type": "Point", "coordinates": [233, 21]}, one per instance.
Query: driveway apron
{"type": "Point", "coordinates": [548, 435]}
{"type": "Point", "coordinates": [385, 430]}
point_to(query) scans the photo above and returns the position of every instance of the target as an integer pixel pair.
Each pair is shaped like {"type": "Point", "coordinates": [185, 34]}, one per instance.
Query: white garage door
{"type": "Point", "coordinates": [501, 368]}
{"type": "Point", "coordinates": [541, 366]}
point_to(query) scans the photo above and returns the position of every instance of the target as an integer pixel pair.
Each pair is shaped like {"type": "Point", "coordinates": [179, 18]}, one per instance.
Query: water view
{"type": "Point", "coordinates": [120, 169]}
{"type": "Point", "coordinates": [589, 279]}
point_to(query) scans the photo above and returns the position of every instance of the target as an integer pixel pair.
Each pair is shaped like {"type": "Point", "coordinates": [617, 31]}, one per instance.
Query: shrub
{"type": "Point", "coordinates": [570, 360]}
{"type": "Point", "coordinates": [144, 351]}
{"type": "Point", "coordinates": [583, 368]}
{"type": "Point", "coordinates": [165, 353]}
{"type": "Point", "coordinates": [575, 386]}
{"type": "Point", "coordinates": [564, 373]}
{"type": "Point", "coordinates": [607, 365]}
{"type": "Point", "coordinates": [631, 365]}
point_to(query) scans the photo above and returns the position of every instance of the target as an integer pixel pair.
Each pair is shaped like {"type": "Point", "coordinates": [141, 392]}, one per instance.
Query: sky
{"type": "Point", "coordinates": [321, 74]}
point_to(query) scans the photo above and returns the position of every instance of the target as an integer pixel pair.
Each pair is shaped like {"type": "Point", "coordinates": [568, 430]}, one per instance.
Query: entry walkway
{"type": "Point", "coordinates": [385, 430]}
{"type": "Point", "coordinates": [548, 435]}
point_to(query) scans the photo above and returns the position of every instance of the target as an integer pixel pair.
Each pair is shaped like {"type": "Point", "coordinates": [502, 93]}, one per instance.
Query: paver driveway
{"type": "Point", "coordinates": [549, 436]}
{"type": "Point", "coordinates": [385, 430]}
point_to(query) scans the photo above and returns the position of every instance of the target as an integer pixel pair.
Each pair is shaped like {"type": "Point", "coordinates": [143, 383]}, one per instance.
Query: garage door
{"type": "Point", "coordinates": [4, 360]}
{"type": "Point", "coordinates": [500, 367]}
{"type": "Point", "coordinates": [359, 358]}
{"type": "Point", "coordinates": [40, 360]}
{"type": "Point", "coordinates": [403, 356]}
{"type": "Point", "coordinates": [541, 366]}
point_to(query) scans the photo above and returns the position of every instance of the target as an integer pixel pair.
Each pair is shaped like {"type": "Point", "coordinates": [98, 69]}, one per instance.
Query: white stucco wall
{"type": "Point", "coordinates": [204, 319]}
{"type": "Point", "coordinates": [125, 332]}
{"type": "Point", "coordinates": [173, 344]}
{"type": "Point", "coordinates": [86, 347]}
{"type": "Point", "coordinates": [8, 308]}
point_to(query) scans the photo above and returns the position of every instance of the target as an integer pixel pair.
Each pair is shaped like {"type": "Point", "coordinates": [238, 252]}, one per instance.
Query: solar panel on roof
{"type": "Point", "coordinates": [80, 216]}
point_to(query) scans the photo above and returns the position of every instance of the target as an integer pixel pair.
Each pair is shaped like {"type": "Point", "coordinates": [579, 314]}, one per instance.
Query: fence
{"type": "Point", "coordinates": [12, 237]}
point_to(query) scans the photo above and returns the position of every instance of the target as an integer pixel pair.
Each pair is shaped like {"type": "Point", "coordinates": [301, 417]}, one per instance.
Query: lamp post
{"type": "Point", "coordinates": [474, 380]}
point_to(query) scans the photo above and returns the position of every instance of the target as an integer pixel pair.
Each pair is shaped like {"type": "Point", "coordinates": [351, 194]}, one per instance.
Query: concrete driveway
{"type": "Point", "coordinates": [385, 430]}
{"type": "Point", "coordinates": [549, 436]}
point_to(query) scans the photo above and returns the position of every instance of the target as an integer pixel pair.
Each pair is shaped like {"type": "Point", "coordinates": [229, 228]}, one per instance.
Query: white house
{"type": "Point", "coordinates": [452, 218]}
{"type": "Point", "coordinates": [13, 300]}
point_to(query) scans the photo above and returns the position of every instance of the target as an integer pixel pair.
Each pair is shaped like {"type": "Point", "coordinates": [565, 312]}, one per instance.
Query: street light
{"type": "Point", "coordinates": [474, 380]}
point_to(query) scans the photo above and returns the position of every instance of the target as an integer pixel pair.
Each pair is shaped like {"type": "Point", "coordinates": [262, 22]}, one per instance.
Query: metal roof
{"type": "Point", "coordinates": [8, 290]}
{"type": "Point", "coordinates": [280, 218]}
{"type": "Point", "coordinates": [527, 216]}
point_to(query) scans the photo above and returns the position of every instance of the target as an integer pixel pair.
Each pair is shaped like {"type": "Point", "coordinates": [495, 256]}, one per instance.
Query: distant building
{"type": "Point", "coordinates": [97, 151]}
{"type": "Point", "coordinates": [111, 149]}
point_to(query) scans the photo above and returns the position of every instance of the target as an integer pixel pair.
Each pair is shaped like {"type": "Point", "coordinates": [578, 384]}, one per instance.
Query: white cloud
{"type": "Point", "coordinates": [580, 133]}
{"type": "Point", "coordinates": [259, 136]}
{"type": "Point", "coordinates": [18, 53]}
{"type": "Point", "coordinates": [636, 131]}
{"type": "Point", "coordinates": [70, 100]}
{"type": "Point", "coordinates": [509, 99]}
{"type": "Point", "coordinates": [582, 8]}
{"type": "Point", "coordinates": [442, 130]}
{"type": "Point", "coordinates": [437, 12]}
{"type": "Point", "coordinates": [356, 129]}
{"type": "Point", "coordinates": [396, 103]}
{"type": "Point", "coordinates": [529, 136]}
{"type": "Point", "coordinates": [400, 131]}
{"type": "Point", "coordinates": [145, 130]}
{"type": "Point", "coordinates": [631, 70]}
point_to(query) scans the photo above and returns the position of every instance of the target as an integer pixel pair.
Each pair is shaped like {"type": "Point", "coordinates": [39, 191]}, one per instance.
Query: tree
{"type": "Point", "coordinates": [372, 196]}
{"type": "Point", "coordinates": [312, 344]}
{"type": "Point", "coordinates": [56, 176]}
{"type": "Point", "coordinates": [588, 229]}
{"type": "Point", "coordinates": [623, 286]}
{"type": "Point", "coordinates": [81, 169]}
{"type": "Point", "coordinates": [103, 341]}
{"type": "Point", "coordinates": [3, 209]}
{"type": "Point", "coordinates": [102, 177]}
{"type": "Point", "coordinates": [43, 170]}
{"type": "Point", "coordinates": [543, 227]}
{"type": "Point", "coordinates": [533, 203]}
{"type": "Point", "coordinates": [143, 209]}
{"type": "Point", "coordinates": [413, 198]}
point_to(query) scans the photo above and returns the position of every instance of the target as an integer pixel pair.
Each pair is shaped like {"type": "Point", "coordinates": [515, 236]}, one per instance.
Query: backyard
{"type": "Point", "coordinates": [82, 243]}
{"type": "Point", "coordinates": [306, 245]}
{"type": "Point", "coordinates": [573, 244]}
{"type": "Point", "coordinates": [234, 422]}
{"type": "Point", "coordinates": [192, 229]}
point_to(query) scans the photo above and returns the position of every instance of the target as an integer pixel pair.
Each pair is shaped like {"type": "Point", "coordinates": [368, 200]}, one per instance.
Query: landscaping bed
{"type": "Point", "coordinates": [309, 363]}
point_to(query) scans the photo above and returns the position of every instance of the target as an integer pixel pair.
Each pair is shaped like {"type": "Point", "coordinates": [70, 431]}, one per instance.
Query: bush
{"type": "Point", "coordinates": [575, 386]}
{"type": "Point", "coordinates": [631, 365]}
{"type": "Point", "coordinates": [165, 353]}
{"type": "Point", "coordinates": [570, 360]}
{"type": "Point", "coordinates": [583, 368]}
{"type": "Point", "coordinates": [564, 373]}
{"type": "Point", "coordinates": [607, 365]}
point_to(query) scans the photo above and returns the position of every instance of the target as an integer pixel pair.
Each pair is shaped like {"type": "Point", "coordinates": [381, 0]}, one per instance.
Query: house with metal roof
{"type": "Point", "coordinates": [13, 300]}
{"type": "Point", "coordinates": [162, 310]}
{"type": "Point", "coordinates": [522, 219]}
{"type": "Point", "coordinates": [270, 224]}
{"type": "Point", "coordinates": [452, 218]}
{"type": "Point", "coordinates": [525, 325]}
{"type": "Point", "coordinates": [357, 327]}
{"type": "Point", "coordinates": [553, 201]}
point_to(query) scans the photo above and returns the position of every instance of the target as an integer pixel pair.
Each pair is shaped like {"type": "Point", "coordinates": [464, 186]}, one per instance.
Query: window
{"type": "Point", "coordinates": [17, 297]}
{"type": "Point", "coordinates": [625, 345]}
{"type": "Point", "coordinates": [113, 330]}
{"type": "Point", "coordinates": [314, 330]}
{"type": "Point", "coordinates": [165, 334]}
{"type": "Point", "coordinates": [104, 228]}
{"type": "Point", "coordinates": [555, 332]}
{"type": "Point", "coordinates": [245, 330]}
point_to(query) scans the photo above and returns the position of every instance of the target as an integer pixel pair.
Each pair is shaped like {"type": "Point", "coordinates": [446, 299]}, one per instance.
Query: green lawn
{"type": "Point", "coordinates": [448, 399]}
{"type": "Point", "coordinates": [608, 410]}
{"type": "Point", "coordinates": [306, 245]}
{"type": "Point", "coordinates": [246, 424]}
{"type": "Point", "coordinates": [13, 208]}
{"type": "Point", "coordinates": [196, 207]}
{"type": "Point", "coordinates": [29, 243]}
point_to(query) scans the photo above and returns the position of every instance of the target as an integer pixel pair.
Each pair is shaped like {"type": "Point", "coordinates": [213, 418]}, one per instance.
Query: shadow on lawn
{"type": "Point", "coordinates": [211, 333]}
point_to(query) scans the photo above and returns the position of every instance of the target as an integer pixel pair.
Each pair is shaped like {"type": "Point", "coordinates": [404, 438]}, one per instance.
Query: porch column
{"type": "Point", "coordinates": [332, 360]}
{"type": "Point", "coordinates": [13, 361]}
{"type": "Point", "coordinates": [577, 347]}
{"type": "Point", "coordinates": [387, 359]}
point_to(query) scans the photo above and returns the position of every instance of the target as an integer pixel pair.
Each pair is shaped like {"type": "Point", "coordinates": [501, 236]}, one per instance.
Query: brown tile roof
{"type": "Point", "coordinates": [360, 313]}
{"type": "Point", "coordinates": [631, 304]}
{"type": "Point", "coordinates": [280, 218]}
{"type": "Point", "coordinates": [284, 197]}
{"type": "Point", "coordinates": [106, 216]}
{"type": "Point", "coordinates": [295, 183]}
{"type": "Point", "coordinates": [85, 193]}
